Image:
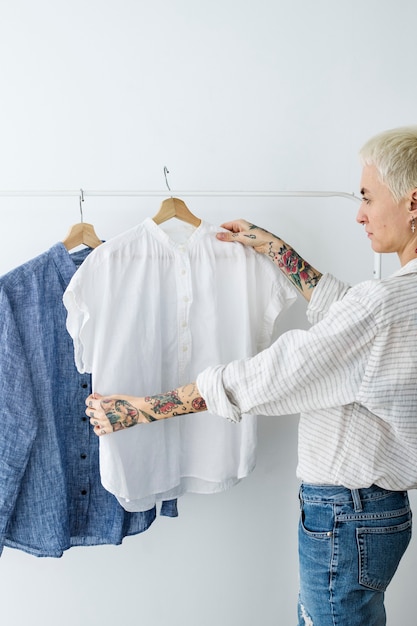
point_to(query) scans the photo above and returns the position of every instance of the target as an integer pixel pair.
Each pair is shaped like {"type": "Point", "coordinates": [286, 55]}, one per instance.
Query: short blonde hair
{"type": "Point", "coordinates": [394, 154]}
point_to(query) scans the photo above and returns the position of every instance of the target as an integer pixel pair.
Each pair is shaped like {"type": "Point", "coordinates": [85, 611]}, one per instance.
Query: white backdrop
{"type": "Point", "coordinates": [230, 95]}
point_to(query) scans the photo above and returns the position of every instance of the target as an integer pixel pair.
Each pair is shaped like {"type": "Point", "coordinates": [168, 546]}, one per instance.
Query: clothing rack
{"type": "Point", "coordinates": [144, 193]}
{"type": "Point", "coordinates": [82, 193]}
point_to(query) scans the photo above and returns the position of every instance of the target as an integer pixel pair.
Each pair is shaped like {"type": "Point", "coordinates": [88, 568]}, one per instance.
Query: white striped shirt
{"type": "Point", "coordinates": [352, 377]}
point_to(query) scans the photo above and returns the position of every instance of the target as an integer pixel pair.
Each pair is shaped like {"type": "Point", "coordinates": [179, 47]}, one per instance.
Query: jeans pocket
{"type": "Point", "coordinates": [380, 551]}
{"type": "Point", "coordinates": [317, 520]}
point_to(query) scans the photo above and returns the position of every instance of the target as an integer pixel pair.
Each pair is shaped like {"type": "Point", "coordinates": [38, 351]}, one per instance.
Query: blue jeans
{"type": "Point", "coordinates": [350, 545]}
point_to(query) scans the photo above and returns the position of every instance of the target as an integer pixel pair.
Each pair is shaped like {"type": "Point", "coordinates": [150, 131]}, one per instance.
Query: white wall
{"type": "Point", "coordinates": [229, 94]}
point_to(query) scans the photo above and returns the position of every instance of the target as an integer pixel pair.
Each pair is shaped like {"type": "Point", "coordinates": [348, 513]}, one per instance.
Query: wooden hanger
{"type": "Point", "coordinates": [174, 207]}
{"type": "Point", "coordinates": [81, 233]}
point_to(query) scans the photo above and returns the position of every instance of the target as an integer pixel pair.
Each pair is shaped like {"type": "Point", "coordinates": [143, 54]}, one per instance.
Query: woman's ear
{"type": "Point", "coordinates": [412, 198]}
{"type": "Point", "coordinates": [413, 210]}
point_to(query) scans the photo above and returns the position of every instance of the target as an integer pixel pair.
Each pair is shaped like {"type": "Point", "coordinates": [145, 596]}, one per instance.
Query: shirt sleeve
{"type": "Point", "coordinates": [328, 291]}
{"type": "Point", "coordinates": [18, 423]}
{"type": "Point", "coordinates": [282, 295]}
{"type": "Point", "coordinates": [303, 370]}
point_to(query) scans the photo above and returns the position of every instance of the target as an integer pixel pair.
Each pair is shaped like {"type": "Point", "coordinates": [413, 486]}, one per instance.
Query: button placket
{"type": "Point", "coordinates": [185, 297]}
{"type": "Point", "coordinates": [81, 456]}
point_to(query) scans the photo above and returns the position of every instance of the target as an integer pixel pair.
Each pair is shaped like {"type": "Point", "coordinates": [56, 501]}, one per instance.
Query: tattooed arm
{"type": "Point", "coordinates": [111, 413]}
{"type": "Point", "coordinates": [296, 269]}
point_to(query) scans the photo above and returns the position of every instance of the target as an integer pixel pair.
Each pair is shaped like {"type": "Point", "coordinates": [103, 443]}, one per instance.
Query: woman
{"type": "Point", "coordinates": [353, 378]}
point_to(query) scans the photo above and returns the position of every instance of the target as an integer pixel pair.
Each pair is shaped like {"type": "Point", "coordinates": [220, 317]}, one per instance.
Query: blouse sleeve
{"type": "Point", "coordinates": [79, 299]}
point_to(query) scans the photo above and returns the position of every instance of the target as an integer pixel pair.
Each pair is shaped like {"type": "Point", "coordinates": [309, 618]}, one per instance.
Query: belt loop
{"type": "Point", "coordinates": [356, 497]}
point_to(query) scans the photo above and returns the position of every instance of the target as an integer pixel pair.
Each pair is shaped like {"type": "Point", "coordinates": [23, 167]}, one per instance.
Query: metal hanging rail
{"type": "Point", "coordinates": [150, 193]}
{"type": "Point", "coordinates": [82, 193]}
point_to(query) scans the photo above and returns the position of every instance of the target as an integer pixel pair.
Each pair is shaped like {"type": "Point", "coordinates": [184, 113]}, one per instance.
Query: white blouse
{"type": "Point", "coordinates": [147, 311]}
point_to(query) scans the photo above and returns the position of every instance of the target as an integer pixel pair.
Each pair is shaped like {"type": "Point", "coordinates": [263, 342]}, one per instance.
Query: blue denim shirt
{"type": "Point", "coordinates": [51, 497]}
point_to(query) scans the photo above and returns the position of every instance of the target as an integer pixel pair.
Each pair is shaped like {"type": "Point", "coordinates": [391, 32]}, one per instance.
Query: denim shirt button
{"type": "Point", "coordinates": [83, 455]}
{"type": "Point", "coordinates": [84, 385]}
{"type": "Point", "coordinates": [83, 492]}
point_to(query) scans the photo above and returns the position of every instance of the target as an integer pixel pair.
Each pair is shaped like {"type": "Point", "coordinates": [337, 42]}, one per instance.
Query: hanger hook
{"type": "Point", "coordinates": [81, 205]}
{"type": "Point", "coordinates": [166, 171]}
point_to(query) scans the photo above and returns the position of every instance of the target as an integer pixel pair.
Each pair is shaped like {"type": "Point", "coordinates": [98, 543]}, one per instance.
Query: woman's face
{"type": "Point", "coordinates": [387, 222]}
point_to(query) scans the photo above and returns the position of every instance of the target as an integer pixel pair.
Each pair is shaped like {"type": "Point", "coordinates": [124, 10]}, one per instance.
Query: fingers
{"type": "Point", "coordinates": [237, 229]}
{"type": "Point", "coordinates": [247, 234]}
{"type": "Point", "coordinates": [246, 237]}
{"type": "Point", "coordinates": [227, 236]}
{"type": "Point", "coordinates": [236, 226]}
{"type": "Point", "coordinates": [101, 425]}
{"type": "Point", "coordinates": [97, 416]}
{"type": "Point", "coordinates": [93, 396]}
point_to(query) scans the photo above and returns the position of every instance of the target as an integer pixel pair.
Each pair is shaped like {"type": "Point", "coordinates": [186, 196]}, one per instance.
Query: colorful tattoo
{"type": "Point", "coordinates": [165, 403]}
{"type": "Point", "coordinates": [199, 404]}
{"type": "Point", "coordinates": [120, 413]}
{"type": "Point", "coordinates": [297, 270]}
{"type": "Point", "coordinates": [149, 418]}
{"type": "Point", "coordinates": [176, 402]}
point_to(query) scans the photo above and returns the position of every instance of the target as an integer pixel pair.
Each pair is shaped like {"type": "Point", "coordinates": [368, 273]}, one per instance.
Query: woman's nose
{"type": "Point", "coordinates": [361, 217]}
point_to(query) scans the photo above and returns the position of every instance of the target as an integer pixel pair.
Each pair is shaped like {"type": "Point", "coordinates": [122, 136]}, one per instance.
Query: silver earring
{"type": "Point", "coordinates": [413, 225]}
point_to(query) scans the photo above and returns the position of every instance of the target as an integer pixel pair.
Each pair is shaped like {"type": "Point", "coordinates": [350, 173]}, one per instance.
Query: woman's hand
{"type": "Point", "coordinates": [301, 274]}
{"type": "Point", "coordinates": [249, 235]}
{"type": "Point", "coordinates": [111, 413]}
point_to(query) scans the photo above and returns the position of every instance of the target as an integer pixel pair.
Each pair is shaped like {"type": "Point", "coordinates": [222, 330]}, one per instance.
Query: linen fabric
{"type": "Point", "coordinates": [147, 311]}
{"type": "Point", "coordinates": [51, 497]}
{"type": "Point", "coordinates": [352, 376]}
